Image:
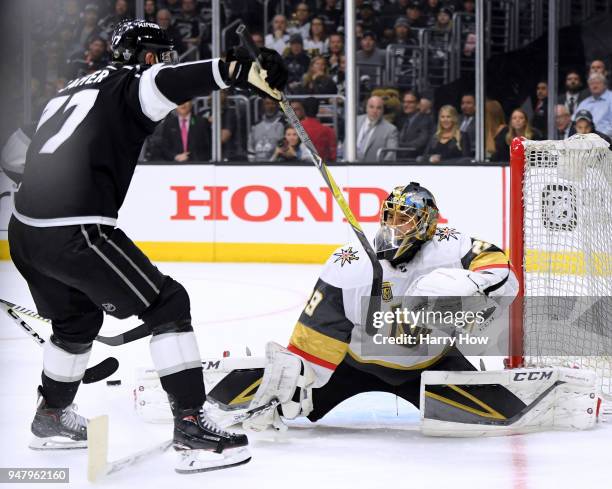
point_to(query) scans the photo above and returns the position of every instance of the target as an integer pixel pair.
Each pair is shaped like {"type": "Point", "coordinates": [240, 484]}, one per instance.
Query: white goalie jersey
{"type": "Point", "coordinates": [332, 328]}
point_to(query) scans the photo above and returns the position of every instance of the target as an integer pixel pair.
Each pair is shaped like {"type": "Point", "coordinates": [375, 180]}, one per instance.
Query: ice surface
{"type": "Point", "coordinates": [371, 440]}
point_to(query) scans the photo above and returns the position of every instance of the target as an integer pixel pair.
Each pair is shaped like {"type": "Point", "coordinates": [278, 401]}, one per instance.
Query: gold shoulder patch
{"type": "Point", "coordinates": [387, 292]}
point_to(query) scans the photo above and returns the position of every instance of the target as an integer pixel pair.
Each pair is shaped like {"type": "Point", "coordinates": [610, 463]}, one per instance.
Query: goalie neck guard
{"type": "Point", "coordinates": [408, 218]}
{"type": "Point", "coordinates": [131, 39]}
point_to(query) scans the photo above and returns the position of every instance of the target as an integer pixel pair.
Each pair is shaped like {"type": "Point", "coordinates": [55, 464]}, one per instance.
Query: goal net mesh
{"type": "Point", "coordinates": [567, 223]}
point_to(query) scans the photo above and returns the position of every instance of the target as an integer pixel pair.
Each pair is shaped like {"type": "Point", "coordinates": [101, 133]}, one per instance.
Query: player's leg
{"type": "Point", "coordinates": [75, 322]}
{"type": "Point", "coordinates": [122, 280]}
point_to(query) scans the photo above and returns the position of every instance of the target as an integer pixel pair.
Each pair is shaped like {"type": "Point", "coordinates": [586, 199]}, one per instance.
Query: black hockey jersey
{"type": "Point", "coordinates": [82, 157]}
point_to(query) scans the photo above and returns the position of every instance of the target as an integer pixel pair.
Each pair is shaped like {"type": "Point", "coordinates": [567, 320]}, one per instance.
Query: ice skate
{"type": "Point", "coordinates": [204, 446]}
{"type": "Point", "coordinates": [57, 428]}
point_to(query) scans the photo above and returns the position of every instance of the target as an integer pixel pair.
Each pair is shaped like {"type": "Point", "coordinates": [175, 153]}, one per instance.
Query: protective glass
{"type": "Point", "coordinates": [170, 57]}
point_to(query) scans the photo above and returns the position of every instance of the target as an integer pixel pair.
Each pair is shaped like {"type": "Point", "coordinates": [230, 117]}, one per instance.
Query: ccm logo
{"type": "Point", "coordinates": [532, 376]}
{"type": "Point", "coordinates": [211, 365]}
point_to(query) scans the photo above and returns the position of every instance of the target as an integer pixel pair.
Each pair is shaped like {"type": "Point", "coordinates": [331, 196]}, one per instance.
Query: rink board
{"type": "Point", "coordinates": [259, 213]}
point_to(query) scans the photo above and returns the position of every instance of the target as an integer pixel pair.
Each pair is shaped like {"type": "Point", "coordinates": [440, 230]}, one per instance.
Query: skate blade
{"type": "Point", "coordinates": [194, 461]}
{"type": "Point", "coordinates": [56, 443]}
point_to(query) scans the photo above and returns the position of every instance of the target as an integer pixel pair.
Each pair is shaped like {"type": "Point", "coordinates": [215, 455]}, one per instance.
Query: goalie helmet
{"type": "Point", "coordinates": [408, 218]}
{"type": "Point", "coordinates": [131, 39]}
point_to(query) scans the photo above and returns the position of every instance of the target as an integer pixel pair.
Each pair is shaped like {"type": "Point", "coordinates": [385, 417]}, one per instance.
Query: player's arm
{"type": "Point", "coordinates": [490, 267]}
{"type": "Point", "coordinates": [164, 86]}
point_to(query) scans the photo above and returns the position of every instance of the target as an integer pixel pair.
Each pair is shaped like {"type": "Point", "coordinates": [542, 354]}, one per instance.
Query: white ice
{"type": "Point", "coordinates": [371, 440]}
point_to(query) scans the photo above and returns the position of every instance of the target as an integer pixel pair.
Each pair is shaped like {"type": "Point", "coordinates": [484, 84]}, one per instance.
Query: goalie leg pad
{"type": "Point", "coordinates": [525, 400]}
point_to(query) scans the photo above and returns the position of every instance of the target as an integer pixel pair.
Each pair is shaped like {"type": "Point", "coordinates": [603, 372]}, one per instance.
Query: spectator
{"type": "Point", "coordinates": [266, 134]}
{"type": "Point", "coordinates": [258, 40]}
{"type": "Point", "coordinates": [164, 20]}
{"type": "Point", "coordinates": [443, 20]}
{"type": "Point", "coordinates": [370, 61]}
{"type": "Point", "coordinates": [415, 128]}
{"type": "Point", "coordinates": [430, 11]}
{"type": "Point", "coordinates": [298, 108]}
{"type": "Point", "coordinates": [108, 23]}
{"type": "Point", "coordinates": [290, 148]}
{"type": "Point", "coordinates": [323, 137]}
{"type": "Point", "coordinates": [426, 108]}
{"type": "Point", "coordinates": [402, 34]}
{"type": "Point", "coordinates": [599, 103]}
{"type": "Point", "coordinates": [469, 7]}
{"type": "Point", "coordinates": [496, 131]}
{"type": "Point", "coordinates": [335, 49]}
{"type": "Point", "coordinates": [521, 127]}
{"type": "Point", "coordinates": [233, 132]}
{"type": "Point", "coordinates": [95, 58]}
{"type": "Point", "coordinates": [374, 132]}
{"type": "Point", "coordinates": [71, 17]}
{"type": "Point", "coordinates": [316, 43]}
{"type": "Point", "coordinates": [89, 29]}
{"type": "Point", "coordinates": [297, 61]}
{"type": "Point", "coordinates": [150, 10]}
{"type": "Point", "coordinates": [540, 108]}
{"type": "Point", "coordinates": [563, 120]}
{"type": "Point", "coordinates": [598, 66]}
{"type": "Point", "coordinates": [584, 125]}
{"type": "Point", "coordinates": [448, 142]}
{"type": "Point", "coordinates": [467, 123]}
{"type": "Point", "coordinates": [184, 136]}
{"type": "Point", "coordinates": [279, 37]}
{"type": "Point", "coordinates": [414, 12]}
{"type": "Point", "coordinates": [187, 23]}
{"type": "Point", "coordinates": [317, 81]}
{"type": "Point", "coordinates": [174, 6]}
{"type": "Point", "coordinates": [331, 15]}
{"type": "Point", "coordinates": [338, 75]}
{"type": "Point", "coordinates": [367, 17]}
{"type": "Point", "coordinates": [573, 94]}
{"type": "Point", "coordinates": [300, 24]}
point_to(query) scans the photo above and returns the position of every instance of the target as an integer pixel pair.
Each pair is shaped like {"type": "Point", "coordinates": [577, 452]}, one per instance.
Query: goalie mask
{"type": "Point", "coordinates": [408, 218]}
{"type": "Point", "coordinates": [132, 39]}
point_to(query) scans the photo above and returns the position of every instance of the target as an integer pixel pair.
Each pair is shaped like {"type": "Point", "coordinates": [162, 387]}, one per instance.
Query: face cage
{"type": "Point", "coordinates": [391, 237]}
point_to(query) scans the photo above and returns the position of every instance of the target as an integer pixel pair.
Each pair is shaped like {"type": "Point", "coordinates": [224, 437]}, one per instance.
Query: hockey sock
{"type": "Point", "coordinates": [186, 388]}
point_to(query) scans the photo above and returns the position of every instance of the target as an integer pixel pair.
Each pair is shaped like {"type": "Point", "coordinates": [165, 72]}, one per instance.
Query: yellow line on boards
{"type": "Point", "coordinates": [226, 252]}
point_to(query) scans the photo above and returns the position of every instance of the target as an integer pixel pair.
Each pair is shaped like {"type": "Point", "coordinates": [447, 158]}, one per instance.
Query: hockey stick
{"type": "Point", "coordinates": [377, 273]}
{"type": "Point", "coordinates": [133, 334]}
{"type": "Point", "coordinates": [101, 371]}
{"type": "Point", "coordinates": [98, 464]}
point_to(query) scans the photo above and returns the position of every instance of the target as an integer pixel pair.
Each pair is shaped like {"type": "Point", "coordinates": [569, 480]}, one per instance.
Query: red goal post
{"type": "Point", "coordinates": [561, 251]}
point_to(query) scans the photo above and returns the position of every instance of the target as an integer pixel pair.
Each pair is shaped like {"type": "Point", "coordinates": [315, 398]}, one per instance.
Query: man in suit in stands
{"type": "Point", "coordinates": [467, 123]}
{"type": "Point", "coordinates": [374, 132]}
{"type": "Point", "coordinates": [573, 94]}
{"type": "Point", "coordinates": [415, 128]}
{"type": "Point", "coordinates": [563, 121]}
{"type": "Point", "coordinates": [183, 136]}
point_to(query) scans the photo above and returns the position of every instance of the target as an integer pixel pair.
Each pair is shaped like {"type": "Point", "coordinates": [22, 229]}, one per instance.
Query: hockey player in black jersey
{"type": "Point", "coordinates": [78, 264]}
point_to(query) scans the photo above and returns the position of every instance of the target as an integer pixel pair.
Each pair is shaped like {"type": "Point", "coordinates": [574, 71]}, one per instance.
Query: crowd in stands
{"type": "Point", "coordinates": [397, 121]}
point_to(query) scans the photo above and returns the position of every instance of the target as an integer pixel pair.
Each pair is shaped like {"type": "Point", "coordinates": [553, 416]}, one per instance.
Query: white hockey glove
{"type": "Point", "coordinates": [268, 81]}
{"type": "Point", "coordinates": [287, 379]}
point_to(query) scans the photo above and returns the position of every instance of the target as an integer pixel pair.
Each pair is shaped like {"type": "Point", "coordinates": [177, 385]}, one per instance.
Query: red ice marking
{"type": "Point", "coordinates": [519, 463]}
{"type": "Point", "coordinates": [226, 354]}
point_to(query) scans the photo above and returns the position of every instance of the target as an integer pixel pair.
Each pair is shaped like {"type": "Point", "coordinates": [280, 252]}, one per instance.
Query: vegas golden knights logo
{"type": "Point", "coordinates": [387, 292]}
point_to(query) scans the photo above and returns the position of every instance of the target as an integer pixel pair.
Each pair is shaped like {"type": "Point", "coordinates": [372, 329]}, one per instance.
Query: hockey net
{"type": "Point", "coordinates": [561, 249]}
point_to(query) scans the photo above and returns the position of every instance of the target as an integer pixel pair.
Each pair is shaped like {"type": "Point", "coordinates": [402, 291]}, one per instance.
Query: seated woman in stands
{"type": "Point", "coordinates": [448, 142]}
{"type": "Point", "coordinates": [290, 148]}
{"type": "Point", "coordinates": [519, 126]}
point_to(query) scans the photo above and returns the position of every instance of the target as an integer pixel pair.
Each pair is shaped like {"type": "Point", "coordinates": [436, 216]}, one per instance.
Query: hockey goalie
{"type": "Point", "coordinates": [332, 354]}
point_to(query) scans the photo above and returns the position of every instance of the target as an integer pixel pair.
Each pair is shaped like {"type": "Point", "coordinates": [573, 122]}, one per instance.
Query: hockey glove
{"type": "Point", "coordinates": [244, 73]}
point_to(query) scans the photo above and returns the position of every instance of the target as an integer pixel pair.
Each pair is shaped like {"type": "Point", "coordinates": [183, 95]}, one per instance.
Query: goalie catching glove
{"type": "Point", "coordinates": [287, 380]}
{"type": "Point", "coordinates": [269, 81]}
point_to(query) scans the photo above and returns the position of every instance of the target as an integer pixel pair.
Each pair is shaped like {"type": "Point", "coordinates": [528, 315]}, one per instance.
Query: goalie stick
{"type": "Point", "coordinates": [98, 372]}
{"type": "Point", "coordinates": [375, 294]}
